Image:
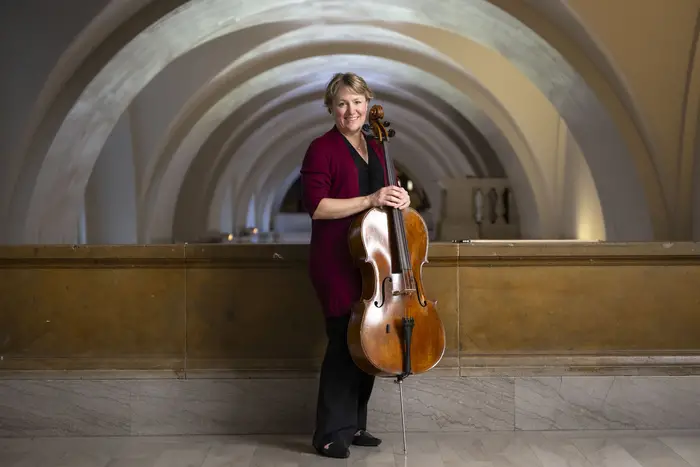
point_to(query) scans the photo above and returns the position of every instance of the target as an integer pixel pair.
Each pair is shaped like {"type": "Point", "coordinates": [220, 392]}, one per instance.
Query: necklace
{"type": "Point", "coordinates": [361, 146]}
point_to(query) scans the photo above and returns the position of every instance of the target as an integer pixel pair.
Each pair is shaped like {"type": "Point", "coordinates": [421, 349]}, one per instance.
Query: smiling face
{"type": "Point", "coordinates": [349, 110]}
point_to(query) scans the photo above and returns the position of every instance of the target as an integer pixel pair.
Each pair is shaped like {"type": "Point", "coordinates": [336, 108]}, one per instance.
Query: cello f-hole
{"type": "Point", "coordinates": [422, 302]}
{"type": "Point", "coordinates": [379, 305]}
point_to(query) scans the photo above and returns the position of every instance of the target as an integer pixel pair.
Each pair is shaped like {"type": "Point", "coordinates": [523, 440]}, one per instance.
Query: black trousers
{"type": "Point", "coordinates": [344, 390]}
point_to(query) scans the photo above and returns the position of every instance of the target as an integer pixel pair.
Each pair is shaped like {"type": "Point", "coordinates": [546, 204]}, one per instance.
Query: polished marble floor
{"type": "Point", "coordinates": [491, 449]}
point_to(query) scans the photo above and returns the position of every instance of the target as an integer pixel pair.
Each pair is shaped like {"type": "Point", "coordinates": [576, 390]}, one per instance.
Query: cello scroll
{"type": "Point", "coordinates": [377, 126]}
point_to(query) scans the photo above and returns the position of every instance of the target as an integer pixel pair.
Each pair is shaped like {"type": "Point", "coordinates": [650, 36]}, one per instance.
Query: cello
{"type": "Point", "coordinates": [394, 329]}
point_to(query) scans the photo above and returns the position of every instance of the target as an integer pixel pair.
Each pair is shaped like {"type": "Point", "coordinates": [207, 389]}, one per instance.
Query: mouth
{"type": "Point", "coordinates": [351, 119]}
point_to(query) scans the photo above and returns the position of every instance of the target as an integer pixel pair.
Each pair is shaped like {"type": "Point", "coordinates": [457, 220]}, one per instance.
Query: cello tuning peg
{"type": "Point", "coordinates": [391, 133]}
{"type": "Point", "coordinates": [387, 124]}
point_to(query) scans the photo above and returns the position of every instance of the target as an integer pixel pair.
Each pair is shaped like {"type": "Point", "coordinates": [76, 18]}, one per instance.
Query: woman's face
{"type": "Point", "coordinates": [349, 110]}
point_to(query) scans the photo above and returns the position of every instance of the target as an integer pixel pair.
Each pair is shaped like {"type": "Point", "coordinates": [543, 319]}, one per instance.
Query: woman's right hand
{"type": "Point", "coordinates": [392, 196]}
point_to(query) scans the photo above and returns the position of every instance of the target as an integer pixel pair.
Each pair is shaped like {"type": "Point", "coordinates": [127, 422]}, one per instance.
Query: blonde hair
{"type": "Point", "coordinates": [355, 82]}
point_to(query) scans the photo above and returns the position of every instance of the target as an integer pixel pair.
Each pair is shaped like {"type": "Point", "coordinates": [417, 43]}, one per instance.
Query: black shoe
{"type": "Point", "coordinates": [335, 450]}
{"type": "Point", "coordinates": [365, 439]}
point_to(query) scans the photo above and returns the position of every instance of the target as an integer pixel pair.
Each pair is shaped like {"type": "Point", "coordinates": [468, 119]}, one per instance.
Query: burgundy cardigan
{"type": "Point", "coordinates": [329, 171]}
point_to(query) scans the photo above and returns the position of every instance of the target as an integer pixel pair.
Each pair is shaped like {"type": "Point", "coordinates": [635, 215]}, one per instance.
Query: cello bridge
{"type": "Point", "coordinates": [396, 293]}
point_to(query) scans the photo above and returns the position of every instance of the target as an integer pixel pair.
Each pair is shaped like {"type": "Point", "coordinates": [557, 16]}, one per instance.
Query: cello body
{"type": "Point", "coordinates": [394, 329]}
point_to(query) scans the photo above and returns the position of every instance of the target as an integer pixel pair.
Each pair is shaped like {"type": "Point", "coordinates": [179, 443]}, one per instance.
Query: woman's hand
{"type": "Point", "coordinates": [391, 196]}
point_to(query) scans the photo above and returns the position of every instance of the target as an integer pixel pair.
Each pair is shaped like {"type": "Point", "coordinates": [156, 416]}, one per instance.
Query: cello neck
{"type": "Point", "coordinates": [397, 215]}
{"type": "Point", "coordinates": [398, 232]}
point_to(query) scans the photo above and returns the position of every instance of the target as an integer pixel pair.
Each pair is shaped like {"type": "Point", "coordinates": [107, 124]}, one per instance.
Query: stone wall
{"type": "Point", "coordinates": [528, 306]}
{"type": "Point", "coordinates": [226, 339]}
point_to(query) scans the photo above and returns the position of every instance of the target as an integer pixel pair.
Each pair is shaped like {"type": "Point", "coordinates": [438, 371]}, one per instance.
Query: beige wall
{"type": "Point", "coordinates": [652, 47]}
{"type": "Point", "coordinates": [553, 307]}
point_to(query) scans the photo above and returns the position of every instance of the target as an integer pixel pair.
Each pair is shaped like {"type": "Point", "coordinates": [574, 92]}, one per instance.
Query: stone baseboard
{"type": "Point", "coordinates": [137, 406]}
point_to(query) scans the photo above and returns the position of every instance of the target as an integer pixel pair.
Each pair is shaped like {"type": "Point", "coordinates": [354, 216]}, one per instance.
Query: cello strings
{"type": "Point", "coordinates": [400, 231]}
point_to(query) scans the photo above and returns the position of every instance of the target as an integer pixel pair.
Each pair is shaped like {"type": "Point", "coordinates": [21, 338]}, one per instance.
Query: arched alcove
{"type": "Point", "coordinates": [292, 201]}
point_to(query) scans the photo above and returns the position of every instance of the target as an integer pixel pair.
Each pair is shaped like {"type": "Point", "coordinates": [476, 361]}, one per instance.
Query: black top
{"type": "Point", "coordinates": [370, 174]}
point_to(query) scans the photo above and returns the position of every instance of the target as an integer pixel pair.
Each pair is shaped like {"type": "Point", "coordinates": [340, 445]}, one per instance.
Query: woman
{"type": "Point", "coordinates": [342, 175]}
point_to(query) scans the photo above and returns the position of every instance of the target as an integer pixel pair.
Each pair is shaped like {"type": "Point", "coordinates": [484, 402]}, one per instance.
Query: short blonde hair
{"type": "Point", "coordinates": [355, 82]}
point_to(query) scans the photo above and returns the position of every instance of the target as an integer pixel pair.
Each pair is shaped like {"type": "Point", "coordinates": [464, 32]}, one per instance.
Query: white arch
{"type": "Point", "coordinates": [161, 203]}
{"type": "Point", "coordinates": [528, 204]}
{"type": "Point", "coordinates": [252, 122]}
{"type": "Point", "coordinates": [254, 67]}
{"type": "Point", "coordinates": [312, 67]}
{"type": "Point", "coordinates": [563, 14]}
{"type": "Point", "coordinates": [532, 208]}
{"type": "Point", "coordinates": [97, 124]}
{"type": "Point", "coordinates": [457, 96]}
{"type": "Point", "coordinates": [119, 12]}
{"type": "Point", "coordinates": [99, 29]}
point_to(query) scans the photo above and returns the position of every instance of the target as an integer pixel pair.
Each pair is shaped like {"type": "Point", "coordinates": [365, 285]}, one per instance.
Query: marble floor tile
{"type": "Point", "coordinates": [605, 452]}
{"type": "Point", "coordinates": [552, 452]}
{"type": "Point", "coordinates": [465, 449]}
{"type": "Point", "coordinates": [652, 452]}
{"type": "Point", "coordinates": [229, 454]}
{"type": "Point", "coordinates": [688, 447]}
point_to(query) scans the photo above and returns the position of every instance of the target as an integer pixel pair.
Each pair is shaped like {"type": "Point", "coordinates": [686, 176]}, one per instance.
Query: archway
{"type": "Point", "coordinates": [71, 142]}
